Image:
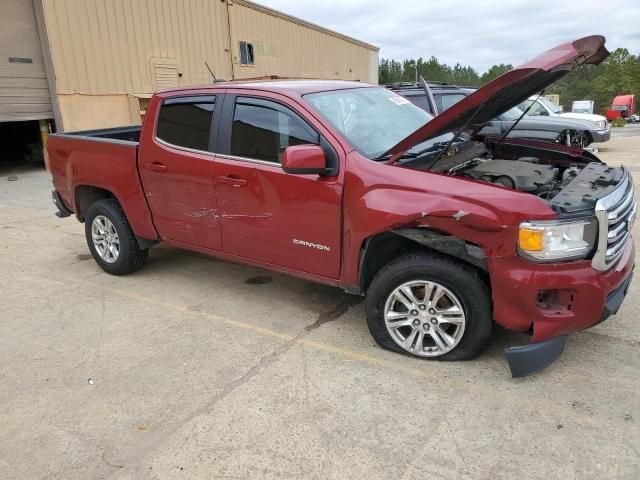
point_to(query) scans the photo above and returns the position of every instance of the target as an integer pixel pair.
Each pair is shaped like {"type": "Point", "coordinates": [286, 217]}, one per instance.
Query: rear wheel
{"type": "Point", "coordinates": [430, 306]}
{"type": "Point", "coordinates": [111, 240]}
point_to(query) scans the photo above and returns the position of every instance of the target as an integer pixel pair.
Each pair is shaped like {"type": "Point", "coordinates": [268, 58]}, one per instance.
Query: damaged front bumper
{"type": "Point", "coordinates": [529, 359]}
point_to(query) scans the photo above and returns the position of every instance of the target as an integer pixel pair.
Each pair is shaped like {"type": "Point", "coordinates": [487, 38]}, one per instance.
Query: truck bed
{"type": "Point", "coordinates": [84, 163]}
{"type": "Point", "coordinates": [129, 134]}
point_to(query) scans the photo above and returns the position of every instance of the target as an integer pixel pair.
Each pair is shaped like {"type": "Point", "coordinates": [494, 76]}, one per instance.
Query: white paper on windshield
{"type": "Point", "coordinates": [399, 100]}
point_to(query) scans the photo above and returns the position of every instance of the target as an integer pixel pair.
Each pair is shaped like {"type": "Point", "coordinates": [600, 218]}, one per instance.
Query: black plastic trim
{"type": "Point", "coordinates": [535, 357]}
{"type": "Point", "coordinates": [452, 246]}
{"type": "Point", "coordinates": [615, 298]}
{"type": "Point", "coordinates": [63, 211]}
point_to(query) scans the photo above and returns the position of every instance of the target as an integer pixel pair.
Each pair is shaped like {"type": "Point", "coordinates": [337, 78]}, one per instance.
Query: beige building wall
{"type": "Point", "coordinates": [288, 47]}
{"type": "Point", "coordinates": [24, 92]}
{"type": "Point", "coordinates": [105, 54]}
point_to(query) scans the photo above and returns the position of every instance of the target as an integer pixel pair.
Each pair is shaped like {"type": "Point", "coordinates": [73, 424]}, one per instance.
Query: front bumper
{"type": "Point", "coordinates": [582, 295]}
{"type": "Point", "coordinates": [600, 136]}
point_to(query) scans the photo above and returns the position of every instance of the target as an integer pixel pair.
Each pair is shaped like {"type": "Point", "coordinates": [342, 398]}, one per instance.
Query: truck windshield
{"type": "Point", "coordinates": [550, 105]}
{"type": "Point", "coordinates": [372, 119]}
{"type": "Point", "coordinates": [512, 114]}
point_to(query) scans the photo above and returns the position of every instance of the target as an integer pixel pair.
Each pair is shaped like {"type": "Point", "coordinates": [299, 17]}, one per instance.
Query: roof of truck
{"type": "Point", "coordinates": [296, 87]}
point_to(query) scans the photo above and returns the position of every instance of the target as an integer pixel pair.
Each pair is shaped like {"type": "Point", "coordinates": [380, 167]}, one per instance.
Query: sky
{"type": "Point", "coordinates": [479, 33]}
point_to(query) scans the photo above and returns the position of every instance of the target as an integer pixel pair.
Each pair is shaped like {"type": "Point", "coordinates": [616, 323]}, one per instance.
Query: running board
{"type": "Point", "coordinates": [535, 357]}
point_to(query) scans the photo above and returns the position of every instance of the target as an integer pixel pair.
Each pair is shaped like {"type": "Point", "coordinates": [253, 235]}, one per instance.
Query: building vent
{"type": "Point", "coordinates": [165, 72]}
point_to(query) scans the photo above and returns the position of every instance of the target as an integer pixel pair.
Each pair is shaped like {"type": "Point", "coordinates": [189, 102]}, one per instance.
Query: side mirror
{"type": "Point", "coordinates": [304, 160]}
{"type": "Point", "coordinates": [543, 113]}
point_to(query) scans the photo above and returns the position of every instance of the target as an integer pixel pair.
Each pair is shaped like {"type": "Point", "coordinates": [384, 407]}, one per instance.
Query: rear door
{"type": "Point", "coordinates": [176, 168]}
{"type": "Point", "coordinates": [292, 221]}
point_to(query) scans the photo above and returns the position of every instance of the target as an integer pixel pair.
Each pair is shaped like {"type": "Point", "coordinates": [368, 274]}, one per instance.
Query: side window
{"type": "Point", "coordinates": [450, 100]}
{"type": "Point", "coordinates": [246, 53]}
{"type": "Point", "coordinates": [421, 101]}
{"type": "Point", "coordinates": [536, 109]}
{"type": "Point", "coordinates": [186, 122]}
{"type": "Point", "coordinates": [262, 130]}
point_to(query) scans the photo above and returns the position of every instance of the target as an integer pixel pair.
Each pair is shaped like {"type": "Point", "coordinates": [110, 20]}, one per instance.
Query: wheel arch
{"type": "Point", "coordinates": [87, 195]}
{"type": "Point", "coordinates": [381, 248]}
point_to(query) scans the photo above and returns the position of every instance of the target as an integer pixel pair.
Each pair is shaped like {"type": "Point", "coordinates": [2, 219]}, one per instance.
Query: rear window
{"type": "Point", "coordinates": [186, 122]}
{"type": "Point", "coordinates": [420, 100]}
{"type": "Point", "coordinates": [449, 101]}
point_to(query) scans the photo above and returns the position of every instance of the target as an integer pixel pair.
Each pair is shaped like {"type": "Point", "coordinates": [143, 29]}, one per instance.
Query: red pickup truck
{"type": "Point", "coordinates": [351, 185]}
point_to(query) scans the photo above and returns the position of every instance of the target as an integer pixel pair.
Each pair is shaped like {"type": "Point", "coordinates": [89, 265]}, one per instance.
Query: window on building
{"type": "Point", "coordinates": [262, 130]}
{"type": "Point", "coordinates": [186, 122]}
{"type": "Point", "coordinates": [246, 53]}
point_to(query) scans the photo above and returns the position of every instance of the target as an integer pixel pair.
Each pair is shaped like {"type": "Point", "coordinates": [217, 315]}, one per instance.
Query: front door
{"type": "Point", "coordinates": [176, 168]}
{"type": "Point", "coordinates": [292, 221]}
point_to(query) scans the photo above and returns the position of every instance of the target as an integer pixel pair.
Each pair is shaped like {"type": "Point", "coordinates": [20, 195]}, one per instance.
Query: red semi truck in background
{"type": "Point", "coordinates": [351, 185]}
{"type": "Point", "coordinates": [623, 106]}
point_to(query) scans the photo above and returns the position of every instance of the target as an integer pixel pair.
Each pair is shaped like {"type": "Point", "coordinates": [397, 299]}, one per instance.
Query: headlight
{"type": "Point", "coordinates": [557, 240]}
{"type": "Point", "coordinates": [602, 124]}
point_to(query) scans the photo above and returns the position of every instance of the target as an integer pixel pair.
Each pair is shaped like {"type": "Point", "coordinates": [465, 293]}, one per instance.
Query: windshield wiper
{"type": "Point", "coordinates": [388, 156]}
{"type": "Point", "coordinates": [410, 154]}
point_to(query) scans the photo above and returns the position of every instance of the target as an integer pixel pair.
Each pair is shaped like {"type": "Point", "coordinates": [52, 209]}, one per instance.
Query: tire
{"type": "Point", "coordinates": [459, 284]}
{"type": "Point", "coordinates": [109, 218]}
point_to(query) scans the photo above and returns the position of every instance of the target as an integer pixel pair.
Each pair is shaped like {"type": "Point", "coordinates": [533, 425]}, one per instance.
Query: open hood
{"type": "Point", "coordinates": [508, 90]}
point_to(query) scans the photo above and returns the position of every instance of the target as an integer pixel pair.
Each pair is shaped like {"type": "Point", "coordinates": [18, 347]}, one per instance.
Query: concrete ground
{"type": "Point", "coordinates": [194, 368]}
{"type": "Point", "coordinates": [629, 130]}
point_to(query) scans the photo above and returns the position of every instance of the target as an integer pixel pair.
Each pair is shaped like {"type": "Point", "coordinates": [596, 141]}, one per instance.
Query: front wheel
{"type": "Point", "coordinates": [111, 240]}
{"type": "Point", "coordinates": [579, 139]}
{"type": "Point", "coordinates": [430, 306]}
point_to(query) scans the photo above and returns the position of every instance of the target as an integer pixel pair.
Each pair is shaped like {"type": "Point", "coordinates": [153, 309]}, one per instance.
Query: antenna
{"type": "Point", "coordinates": [211, 72]}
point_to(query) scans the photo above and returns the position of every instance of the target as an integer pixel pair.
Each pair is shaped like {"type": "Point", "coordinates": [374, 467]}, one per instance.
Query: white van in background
{"type": "Point", "coordinates": [582, 106]}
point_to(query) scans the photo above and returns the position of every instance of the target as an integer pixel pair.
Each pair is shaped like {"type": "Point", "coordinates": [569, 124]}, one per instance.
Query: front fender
{"type": "Point", "coordinates": [380, 198]}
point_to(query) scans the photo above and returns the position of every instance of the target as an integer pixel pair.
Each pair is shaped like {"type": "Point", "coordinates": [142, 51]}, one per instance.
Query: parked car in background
{"type": "Point", "coordinates": [541, 106]}
{"type": "Point", "coordinates": [623, 106]}
{"type": "Point", "coordinates": [568, 131]}
{"type": "Point", "coordinates": [582, 106]}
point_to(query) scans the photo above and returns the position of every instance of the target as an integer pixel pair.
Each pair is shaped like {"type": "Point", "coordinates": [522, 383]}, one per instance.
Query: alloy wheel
{"type": "Point", "coordinates": [105, 239]}
{"type": "Point", "coordinates": [424, 318]}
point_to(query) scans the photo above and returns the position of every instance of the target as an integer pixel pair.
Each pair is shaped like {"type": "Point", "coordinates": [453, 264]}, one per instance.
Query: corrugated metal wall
{"type": "Point", "coordinates": [24, 92]}
{"type": "Point", "coordinates": [108, 53]}
{"type": "Point", "coordinates": [101, 47]}
{"type": "Point", "coordinates": [288, 48]}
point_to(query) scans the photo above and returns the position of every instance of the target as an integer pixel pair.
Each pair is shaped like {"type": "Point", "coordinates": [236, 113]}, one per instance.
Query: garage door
{"type": "Point", "coordinates": [24, 92]}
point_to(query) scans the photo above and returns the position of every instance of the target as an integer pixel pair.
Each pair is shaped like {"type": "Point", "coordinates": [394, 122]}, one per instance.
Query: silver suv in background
{"type": "Point", "coordinates": [439, 96]}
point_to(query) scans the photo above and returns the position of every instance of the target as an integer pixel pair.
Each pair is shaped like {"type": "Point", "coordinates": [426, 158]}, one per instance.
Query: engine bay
{"type": "Point", "coordinates": [569, 184]}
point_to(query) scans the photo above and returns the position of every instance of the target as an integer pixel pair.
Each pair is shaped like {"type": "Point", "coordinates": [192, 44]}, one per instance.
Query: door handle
{"type": "Point", "coordinates": [233, 181]}
{"type": "Point", "coordinates": [156, 167]}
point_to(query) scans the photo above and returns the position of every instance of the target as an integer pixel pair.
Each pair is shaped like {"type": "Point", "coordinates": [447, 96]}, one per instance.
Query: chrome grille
{"type": "Point", "coordinates": [616, 213]}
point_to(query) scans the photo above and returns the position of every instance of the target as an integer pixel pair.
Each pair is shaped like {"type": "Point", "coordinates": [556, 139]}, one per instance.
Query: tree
{"type": "Point", "coordinates": [617, 75]}
{"type": "Point", "coordinates": [494, 72]}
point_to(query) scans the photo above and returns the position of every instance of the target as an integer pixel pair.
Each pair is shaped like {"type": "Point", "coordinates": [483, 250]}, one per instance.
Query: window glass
{"type": "Point", "coordinates": [246, 53]}
{"type": "Point", "coordinates": [513, 113]}
{"type": "Point", "coordinates": [550, 105]}
{"type": "Point", "coordinates": [372, 119]}
{"type": "Point", "coordinates": [186, 123]}
{"type": "Point", "coordinates": [449, 100]}
{"type": "Point", "coordinates": [262, 130]}
{"type": "Point", "coordinates": [421, 101]}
